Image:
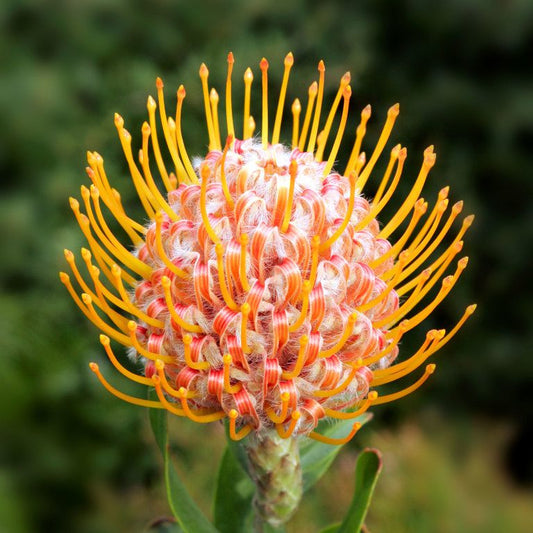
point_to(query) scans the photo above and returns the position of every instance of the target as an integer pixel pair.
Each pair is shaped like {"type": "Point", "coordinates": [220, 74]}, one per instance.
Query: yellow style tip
{"type": "Point", "coordinates": [395, 152]}
{"type": "Point", "coordinates": [471, 309]}
{"type": "Point", "coordinates": [469, 220]}
{"type": "Point", "coordinates": [84, 192]}
{"type": "Point", "coordinates": [205, 171]}
{"type": "Point", "coordinates": [248, 75]}
{"type": "Point", "coordinates": [233, 414]}
{"type": "Point", "coordinates": [263, 64]}
{"type": "Point", "coordinates": [296, 106]}
{"type": "Point", "coordinates": [213, 96]}
{"type": "Point", "coordinates": [64, 277]}
{"type": "Point", "coordinates": [403, 257]}
{"type": "Point", "coordinates": [146, 128]}
{"type": "Point", "coordinates": [421, 205]}
{"type": "Point", "coordinates": [165, 281]}
{"type": "Point", "coordinates": [458, 207]}
{"type": "Point", "coordinates": [429, 158]}
{"type": "Point", "coordinates": [94, 367]}
{"type": "Point", "coordinates": [95, 191]}
{"type": "Point", "coordinates": [458, 246]}
{"type": "Point", "coordinates": [159, 364]}
{"type": "Point", "coordinates": [313, 89]}
{"type": "Point", "coordinates": [366, 112]}
{"type": "Point", "coordinates": [394, 111]}
{"type": "Point", "coordinates": [187, 338]}
{"type": "Point", "coordinates": [204, 72]}
{"type": "Point", "coordinates": [159, 83]}
{"type": "Point", "coordinates": [69, 256]}
{"type": "Point", "coordinates": [74, 204]}
{"type": "Point", "coordinates": [87, 300]}
{"type": "Point", "coordinates": [104, 340]}
{"type": "Point", "coordinates": [132, 325]}
{"type": "Point", "coordinates": [289, 60]}
{"type": "Point", "coordinates": [443, 205]}
{"type": "Point", "coordinates": [116, 270]}
{"type": "Point", "coordinates": [463, 262]}
{"type": "Point", "coordinates": [372, 395]}
{"type": "Point", "coordinates": [447, 281]}
{"type": "Point", "coordinates": [431, 368]}
{"type": "Point", "coordinates": [443, 193]}
{"type": "Point", "coordinates": [321, 66]}
{"type": "Point", "coordinates": [119, 121]}
{"type": "Point", "coordinates": [150, 104]}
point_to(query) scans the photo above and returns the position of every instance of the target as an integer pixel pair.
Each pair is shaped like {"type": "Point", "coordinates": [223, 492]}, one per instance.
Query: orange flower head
{"type": "Point", "coordinates": [263, 288]}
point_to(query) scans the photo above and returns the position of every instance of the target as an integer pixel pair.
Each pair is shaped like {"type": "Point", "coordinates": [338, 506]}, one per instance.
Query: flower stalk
{"type": "Point", "coordinates": [274, 466]}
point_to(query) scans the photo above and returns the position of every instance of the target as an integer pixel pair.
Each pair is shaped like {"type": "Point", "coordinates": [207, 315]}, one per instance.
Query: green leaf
{"type": "Point", "coordinates": [316, 457]}
{"type": "Point", "coordinates": [367, 471]}
{"type": "Point", "coordinates": [190, 518]}
{"type": "Point", "coordinates": [333, 528]}
{"type": "Point", "coordinates": [233, 496]}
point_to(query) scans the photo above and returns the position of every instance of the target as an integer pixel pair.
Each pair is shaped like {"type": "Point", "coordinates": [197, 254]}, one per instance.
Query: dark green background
{"type": "Point", "coordinates": [72, 457]}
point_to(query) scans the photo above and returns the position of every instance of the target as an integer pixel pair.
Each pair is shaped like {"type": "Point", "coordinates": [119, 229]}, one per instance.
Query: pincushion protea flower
{"type": "Point", "coordinates": [263, 288]}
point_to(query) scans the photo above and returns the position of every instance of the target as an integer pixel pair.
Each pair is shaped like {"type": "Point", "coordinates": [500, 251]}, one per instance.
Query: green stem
{"type": "Point", "coordinates": [274, 466]}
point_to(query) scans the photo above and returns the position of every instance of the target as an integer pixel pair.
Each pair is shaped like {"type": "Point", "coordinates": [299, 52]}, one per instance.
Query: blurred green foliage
{"type": "Point", "coordinates": [460, 70]}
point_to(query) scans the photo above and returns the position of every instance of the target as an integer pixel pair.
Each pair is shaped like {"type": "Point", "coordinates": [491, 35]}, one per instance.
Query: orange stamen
{"type": "Point", "coordinates": [286, 433]}
{"type": "Point", "coordinates": [289, 60]}
{"type": "Point", "coordinates": [234, 434]}
{"type": "Point", "coordinates": [166, 283]}
{"type": "Point", "coordinates": [400, 394]}
{"type": "Point", "coordinates": [336, 442]}
{"type": "Point", "coordinates": [126, 397]}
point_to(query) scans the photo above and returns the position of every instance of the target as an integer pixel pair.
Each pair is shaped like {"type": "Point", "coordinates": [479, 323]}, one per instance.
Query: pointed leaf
{"type": "Point", "coordinates": [190, 518]}
{"type": "Point", "coordinates": [367, 471]}
{"type": "Point", "coordinates": [333, 528]}
{"type": "Point", "coordinates": [233, 496]}
{"type": "Point", "coordinates": [316, 457]}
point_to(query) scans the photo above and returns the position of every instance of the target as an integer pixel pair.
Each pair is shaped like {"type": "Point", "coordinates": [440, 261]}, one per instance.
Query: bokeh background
{"type": "Point", "coordinates": [458, 454]}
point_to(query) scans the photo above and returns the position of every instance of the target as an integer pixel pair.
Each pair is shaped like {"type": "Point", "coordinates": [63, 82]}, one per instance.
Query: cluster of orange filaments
{"type": "Point", "coordinates": [263, 289]}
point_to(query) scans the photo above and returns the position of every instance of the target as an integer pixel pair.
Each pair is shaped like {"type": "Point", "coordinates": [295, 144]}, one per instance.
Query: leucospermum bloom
{"type": "Point", "coordinates": [263, 288]}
